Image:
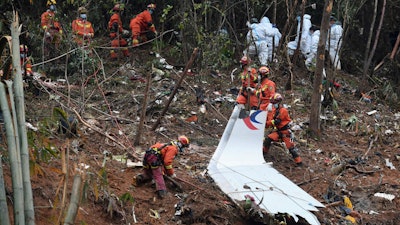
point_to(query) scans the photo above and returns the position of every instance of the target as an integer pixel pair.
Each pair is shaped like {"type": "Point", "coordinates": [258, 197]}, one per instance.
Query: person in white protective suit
{"type": "Point", "coordinates": [257, 40]}
{"type": "Point", "coordinates": [305, 42]}
{"type": "Point", "coordinates": [273, 36]}
{"type": "Point", "coordinates": [334, 42]}
{"type": "Point", "coordinates": [311, 57]}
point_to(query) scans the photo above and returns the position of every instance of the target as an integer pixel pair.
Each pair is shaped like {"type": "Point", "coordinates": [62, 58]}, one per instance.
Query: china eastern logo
{"type": "Point", "coordinates": [250, 120]}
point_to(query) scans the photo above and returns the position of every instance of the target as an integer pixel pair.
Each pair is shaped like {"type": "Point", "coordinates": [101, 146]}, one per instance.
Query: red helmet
{"type": "Point", "coordinates": [23, 49]}
{"type": "Point", "coordinates": [277, 98]}
{"type": "Point", "coordinates": [245, 60]}
{"type": "Point", "coordinates": [151, 6]}
{"type": "Point", "coordinates": [183, 140]}
{"type": "Point", "coordinates": [264, 71]}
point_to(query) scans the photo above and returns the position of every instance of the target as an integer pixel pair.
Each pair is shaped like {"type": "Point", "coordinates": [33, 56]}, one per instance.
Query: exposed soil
{"type": "Point", "coordinates": [364, 147]}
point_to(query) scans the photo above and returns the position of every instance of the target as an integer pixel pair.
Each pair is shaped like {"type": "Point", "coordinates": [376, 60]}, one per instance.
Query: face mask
{"type": "Point", "coordinates": [276, 106]}
{"type": "Point", "coordinates": [150, 11]}
{"type": "Point", "coordinates": [53, 8]}
{"type": "Point", "coordinates": [23, 55]}
{"type": "Point", "coordinates": [180, 147]}
{"type": "Point", "coordinates": [298, 18]}
{"type": "Point", "coordinates": [83, 16]}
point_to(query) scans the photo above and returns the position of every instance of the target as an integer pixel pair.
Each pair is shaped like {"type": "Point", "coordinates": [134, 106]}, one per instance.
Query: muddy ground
{"type": "Point", "coordinates": [357, 154]}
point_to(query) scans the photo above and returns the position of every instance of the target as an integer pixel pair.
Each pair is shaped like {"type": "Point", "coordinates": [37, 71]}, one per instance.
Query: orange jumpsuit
{"type": "Point", "coordinates": [265, 92]}
{"type": "Point", "coordinates": [26, 66]}
{"type": "Point", "coordinates": [249, 74]}
{"type": "Point", "coordinates": [83, 31]}
{"type": "Point", "coordinates": [157, 161]}
{"type": "Point", "coordinates": [279, 119]}
{"type": "Point", "coordinates": [139, 25]}
{"type": "Point", "coordinates": [49, 23]}
{"type": "Point", "coordinates": [115, 27]}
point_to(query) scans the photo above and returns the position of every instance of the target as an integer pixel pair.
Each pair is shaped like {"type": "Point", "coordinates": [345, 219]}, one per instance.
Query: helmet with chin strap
{"type": "Point", "coordinates": [277, 98]}
{"type": "Point", "coordinates": [184, 140]}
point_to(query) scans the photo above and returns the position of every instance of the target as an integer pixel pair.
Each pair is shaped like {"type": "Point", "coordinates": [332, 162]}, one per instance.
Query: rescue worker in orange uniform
{"type": "Point", "coordinates": [50, 25]}
{"type": "Point", "coordinates": [158, 161]}
{"type": "Point", "coordinates": [249, 81]}
{"type": "Point", "coordinates": [26, 65]}
{"type": "Point", "coordinates": [82, 29]}
{"type": "Point", "coordinates": [279, 120]}
{"type": "Point", "coordinates": [142, 24]}
{"type": "Point", "coordinates": [267, 88]}
{"type": "Point", "coordinates": [116, 31]}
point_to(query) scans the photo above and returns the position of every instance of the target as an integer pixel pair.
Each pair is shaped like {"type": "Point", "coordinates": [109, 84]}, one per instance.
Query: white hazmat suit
{"type": "Point", "coordinates": [310, 59]}
{"type": "Point", "coordinates": [273, 36]}
{"type": "Point", "coordinates": [305, 42]}
{"type": "Point", "coordinates": [334, 43]}
{"type": "Point", "coordinates": [257, 38]}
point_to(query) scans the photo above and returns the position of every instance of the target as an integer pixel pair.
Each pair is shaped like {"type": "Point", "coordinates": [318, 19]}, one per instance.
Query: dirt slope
{"type": "Point", "coordinates": [364, 145]}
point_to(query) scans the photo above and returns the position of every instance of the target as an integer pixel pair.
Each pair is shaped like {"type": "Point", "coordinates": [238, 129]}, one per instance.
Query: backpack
{"type": "Point", "coordinates": [152, 157]}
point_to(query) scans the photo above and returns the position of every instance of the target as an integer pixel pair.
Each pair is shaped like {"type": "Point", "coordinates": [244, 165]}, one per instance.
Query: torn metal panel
{"type": "Point", "coordinates": [238, 168]}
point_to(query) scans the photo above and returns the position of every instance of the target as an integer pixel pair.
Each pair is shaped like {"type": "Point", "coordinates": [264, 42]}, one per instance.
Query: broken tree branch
{"type": "Point", "coordinates": [171, 97]}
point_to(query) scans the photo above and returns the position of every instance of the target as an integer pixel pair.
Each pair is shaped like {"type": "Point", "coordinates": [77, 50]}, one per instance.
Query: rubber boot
{"type": "Point", "coordinates": [113, 54]}
{"type": "Point", "coordinates": [162, 193]}
{"type": "Point", "coordinates": [296, 157]}
{"type": "Point", "coordinates": [139, 179]}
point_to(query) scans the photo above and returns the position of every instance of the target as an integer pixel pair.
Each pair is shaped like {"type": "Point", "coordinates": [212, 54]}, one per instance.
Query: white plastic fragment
{"type": "Point", "coordinates": [389, 197]}
{"type": "Point", "coordinates": [388, 132]}
{"type": "Point", "coordinates": [389, 164]}
{"type": "Point", "coordinates": [30, 126]}
{"type": "Point", "coordinates": [371, 112]}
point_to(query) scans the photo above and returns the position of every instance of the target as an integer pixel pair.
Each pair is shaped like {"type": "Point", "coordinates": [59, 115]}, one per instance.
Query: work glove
{"type": "Point", "coordinates": [276, 122]}
{"type": "Point", "coordinates": [48, 34]}
{"type": "Point", "coordinates": [250, 89]}
{"type": "Point", "coordinates": [173, 175]}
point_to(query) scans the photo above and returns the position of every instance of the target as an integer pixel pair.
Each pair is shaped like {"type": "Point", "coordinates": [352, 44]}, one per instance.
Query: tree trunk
{"type": "Point", "coordinates": [368, 45]}
{"type": "Point", "coordinates": [378, 31]}
{"type": "Point", "coordinates": [316, 96]}
{"type": "Point", "coordinates": [20, 108]}
{"type": "Point", "coordinates": [143, 113]}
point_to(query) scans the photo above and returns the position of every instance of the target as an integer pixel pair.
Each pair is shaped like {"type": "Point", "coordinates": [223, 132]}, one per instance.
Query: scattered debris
{"type": "Point", "coordinates": [389, 197]}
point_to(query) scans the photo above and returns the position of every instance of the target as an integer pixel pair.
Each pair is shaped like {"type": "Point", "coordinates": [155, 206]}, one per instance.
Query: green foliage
{"type": "Point", "coordinates": [165, 12]}
{"type": "Point", "coordinates": [126, 197]}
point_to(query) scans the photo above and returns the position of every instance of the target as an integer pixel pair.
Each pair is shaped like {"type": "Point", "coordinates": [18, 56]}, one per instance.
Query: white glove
{"type": "Point", "coordinates": [248, 24]}
{"type": "Point", "coordinates": [48, 34]}
{"type": "Point", "coordinates": [173, 175]}
{"type": "Point", "coordinates": [125, 32]}
{"type": "Point", "coordinates": [269, 107]}
{"type": "Point", "coordinates": [250, 89]}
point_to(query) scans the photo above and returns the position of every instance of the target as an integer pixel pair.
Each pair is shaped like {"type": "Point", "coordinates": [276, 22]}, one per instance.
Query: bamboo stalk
{"type": "Point", "coordinates": [16, 174]}
{"type": "Point", "coordinates": [74, 203]}
{"type": "Point", "coordinates": [21, 129]}
{"type": "Point", "coordinates": [5, 220]}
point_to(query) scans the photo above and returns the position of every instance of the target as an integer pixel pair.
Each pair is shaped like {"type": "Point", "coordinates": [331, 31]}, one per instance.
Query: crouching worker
{"type": "Point", "coordinates": [158, 160]}
{"type": "Point", "coordinates": [279, 120]}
